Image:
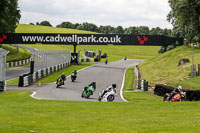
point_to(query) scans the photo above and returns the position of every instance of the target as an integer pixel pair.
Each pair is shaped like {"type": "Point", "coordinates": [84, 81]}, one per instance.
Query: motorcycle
{"type": "Point", "coordinates": [108, 95]}
{"type": "Point", "coordinates": [106, 61]}
{"type": "Point", "coordinates": [89, 90]}
{"type": "Point", "coordinates": [59, 82]}
{"type": "Point", "coordinates": [73, 77]}
{"type": "Point", "coordinates": [176, 98]}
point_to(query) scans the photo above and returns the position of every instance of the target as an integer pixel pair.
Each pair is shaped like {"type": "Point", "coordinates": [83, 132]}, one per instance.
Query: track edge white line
{"type": "Point", "coordinates": [122, 86]}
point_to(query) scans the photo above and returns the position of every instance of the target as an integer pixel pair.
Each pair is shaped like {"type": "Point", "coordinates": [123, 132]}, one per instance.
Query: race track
{"type": "Point", "coordinates": [104, 75]}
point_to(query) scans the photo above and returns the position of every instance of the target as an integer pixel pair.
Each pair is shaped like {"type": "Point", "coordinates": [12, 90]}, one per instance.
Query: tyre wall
{"type": "Point", "coordinates": [191, 95]}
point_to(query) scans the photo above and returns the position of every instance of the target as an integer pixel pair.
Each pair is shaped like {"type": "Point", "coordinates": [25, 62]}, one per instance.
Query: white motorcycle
{"type": "Point", "coordinates": [109, 94]}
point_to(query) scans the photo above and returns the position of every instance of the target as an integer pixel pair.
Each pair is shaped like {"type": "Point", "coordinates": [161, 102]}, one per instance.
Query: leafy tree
{"type": "Point", "coordinates": [89, 27]}
{"type": "Point", "coordinates": [143, 30]}
{"type": "Point", "coordinates": [131, 30]}
{"type": "Point", "coordinates": [119, 30]}
{"type": "Point", "coordinates": [156, 31]}
{"type": "Point", "coordinates": [74, 26]}
{"type": "Point", "coordinates": [107, 29]}
{"type": "Point", "coordinates": [185, 17]}
{"type": "Point", "coordinates": [45, 23]}
{"type": "Point", "coordinates": [9, 15]}
{"type": "Point", "coordinates": [65, 25]}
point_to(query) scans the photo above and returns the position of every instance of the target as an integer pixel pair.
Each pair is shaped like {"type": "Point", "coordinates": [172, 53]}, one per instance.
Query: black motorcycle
{"type": "Point", "coordinates": [73, 77]}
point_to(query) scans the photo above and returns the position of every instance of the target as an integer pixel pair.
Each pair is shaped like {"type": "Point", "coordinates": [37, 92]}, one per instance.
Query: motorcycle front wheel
{"type": "Point", "coordinates": [88, 94]}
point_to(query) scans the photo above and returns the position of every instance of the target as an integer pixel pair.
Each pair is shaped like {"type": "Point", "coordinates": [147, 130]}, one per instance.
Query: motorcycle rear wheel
{"type": "Point", "coordinates": [110, 98]}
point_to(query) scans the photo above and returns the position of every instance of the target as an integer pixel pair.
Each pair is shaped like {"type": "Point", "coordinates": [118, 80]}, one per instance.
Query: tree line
{"type": "Point", "coordinates": [132, 30]}
{"type": "Point", "coordinates": [185, 18]}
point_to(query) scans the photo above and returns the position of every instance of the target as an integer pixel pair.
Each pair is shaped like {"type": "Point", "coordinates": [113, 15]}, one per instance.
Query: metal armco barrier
{"type": "Point", "coordinates": [18, 63]}
{"type": "Point", "coordinates": [30, 78]}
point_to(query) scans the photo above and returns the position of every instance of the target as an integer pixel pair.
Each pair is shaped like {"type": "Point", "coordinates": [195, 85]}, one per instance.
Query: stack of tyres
{"type": "Point", "coordinates": [2, 86]}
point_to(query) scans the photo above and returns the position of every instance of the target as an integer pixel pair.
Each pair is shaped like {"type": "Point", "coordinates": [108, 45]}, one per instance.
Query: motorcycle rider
{"type": "Point", "coordinates": [75, 72]}
{"type": "Point", "coordinates": [177, 90]}
{"type": "Point", "coordinates": [62, 77]}
{"type": "Point", "coordinates": [93, 84]}
{"type": "Point", "coordinates": [106, 61]}
{"type": "Point", "coordinates": [109, 89]}
{"type": "Point", "coordinates": [125, 58]}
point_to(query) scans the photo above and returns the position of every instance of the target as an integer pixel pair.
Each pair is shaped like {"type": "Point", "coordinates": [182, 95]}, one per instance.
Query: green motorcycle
{"type": "Point", "coordinates": [89, 90]}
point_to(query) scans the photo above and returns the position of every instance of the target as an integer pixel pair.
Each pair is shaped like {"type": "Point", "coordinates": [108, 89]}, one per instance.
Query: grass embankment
{"type": "Point", "coordinates": [26, 28]}
{"type": "Point", "coordinates": [114, 52]}
{"type": "Point", "coordinates": [21, 113]}
{"type": "Point", "coordinates": [164, 69]}
{"type": "Point", "coordinates": [15, 53]}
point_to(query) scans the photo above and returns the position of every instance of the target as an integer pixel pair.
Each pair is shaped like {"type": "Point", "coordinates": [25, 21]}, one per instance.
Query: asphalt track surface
{"type": "Point", "coordinates": [16, 72]}
{"type": "Point", "coordinates": [104, 75]}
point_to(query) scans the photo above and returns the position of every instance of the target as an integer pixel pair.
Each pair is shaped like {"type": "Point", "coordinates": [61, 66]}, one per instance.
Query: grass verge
{"type": "Point", "coordinates": [13, 81]}
{"type": "Point", "coordinates": [21, 113]}
{"type": "Point", "coordinates": [134, 96]}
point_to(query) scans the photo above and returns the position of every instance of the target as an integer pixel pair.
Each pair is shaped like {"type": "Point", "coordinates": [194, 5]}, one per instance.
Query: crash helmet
{"type": "Point", "coordinates": [179, 88]}
{"type": "Point", "coordinates": [114, 85]}
{"type": "Point", "coordinates": [94, 83]}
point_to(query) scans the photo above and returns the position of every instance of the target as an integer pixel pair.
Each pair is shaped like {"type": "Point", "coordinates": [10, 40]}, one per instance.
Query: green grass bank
{"type": "Point", "coordinates": [164, 69]}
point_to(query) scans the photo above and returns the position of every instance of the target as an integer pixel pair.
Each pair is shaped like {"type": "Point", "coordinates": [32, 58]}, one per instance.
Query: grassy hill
{"type": "Point", "coordinates": [27, 28]}
{"type": "Point", "coordinates": [15, 53]}
{"type": "Point", "coordinates": [164, 68]}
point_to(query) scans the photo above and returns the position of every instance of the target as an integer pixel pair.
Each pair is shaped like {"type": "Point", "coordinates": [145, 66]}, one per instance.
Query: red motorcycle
{"type": "Point", "coordinates": [176, 98]}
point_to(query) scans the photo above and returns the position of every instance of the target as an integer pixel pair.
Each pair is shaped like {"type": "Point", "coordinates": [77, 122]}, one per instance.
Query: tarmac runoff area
{"type": "Point", "coordinates": [104, 75]}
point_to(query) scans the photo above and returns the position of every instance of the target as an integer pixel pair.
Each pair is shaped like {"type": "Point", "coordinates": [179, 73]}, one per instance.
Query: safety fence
{"type": "Point", "coordinates": [26, 80]}
{"type": "Point", "coordinates": [18, 63]}
{"type": "Point", "coordinates": [45, 63]}
{"type": "Point", "coordinates": [44, 59]}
